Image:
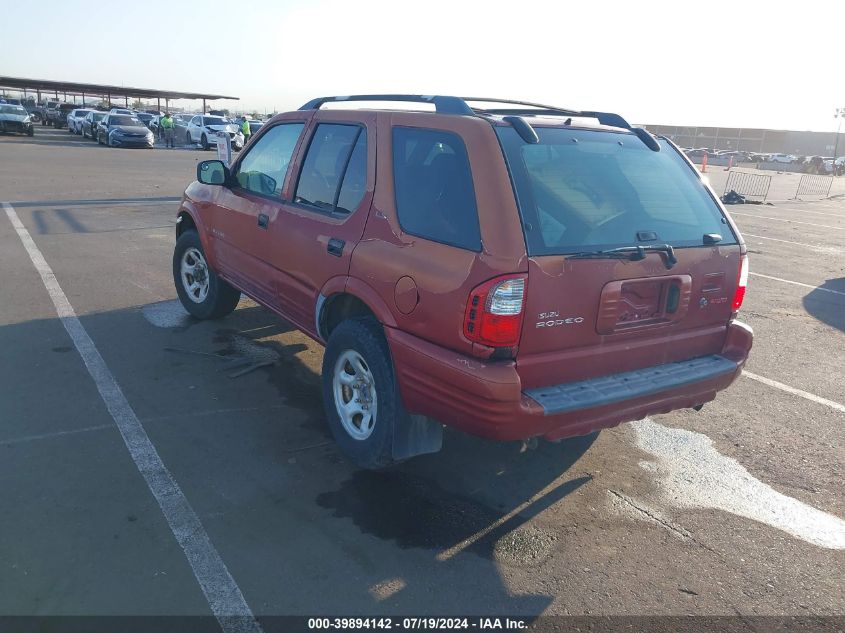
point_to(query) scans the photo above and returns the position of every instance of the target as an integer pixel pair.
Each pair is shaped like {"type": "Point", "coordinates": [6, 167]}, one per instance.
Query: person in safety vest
{"type": "Point", "coordinates": [245, 130]}
{"type": "Point", "coordinates": [167, 125]}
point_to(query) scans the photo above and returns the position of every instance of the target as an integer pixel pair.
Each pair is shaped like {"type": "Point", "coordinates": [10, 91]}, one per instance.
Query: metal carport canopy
{"type": "Point", "coordinates": [34, 85]}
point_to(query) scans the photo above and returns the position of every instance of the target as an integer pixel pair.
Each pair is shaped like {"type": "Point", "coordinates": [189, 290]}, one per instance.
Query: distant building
{"type": "Point", "coordinates": [753, 140]}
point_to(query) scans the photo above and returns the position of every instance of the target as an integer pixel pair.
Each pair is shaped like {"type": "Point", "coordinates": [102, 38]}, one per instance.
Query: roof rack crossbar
{"type": "Point", "coordinates": [442, 105]}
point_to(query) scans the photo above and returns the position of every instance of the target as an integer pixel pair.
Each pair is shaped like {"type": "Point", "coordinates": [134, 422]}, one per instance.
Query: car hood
{"type": "Point", "coordinates": [129, 129]}
{"type": "Point", "coordinates": [222, 128]}
{"type": "Point", "coordinates": [6, 116]}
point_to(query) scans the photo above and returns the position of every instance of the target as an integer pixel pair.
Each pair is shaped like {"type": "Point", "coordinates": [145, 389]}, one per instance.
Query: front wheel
{"type": "Point", "coordinates": [360, 394]}
{"type": "Point", "coordinates": [204, 142]}
{"type": "Point", "coordinates": [202, 293]}
{"type": "Point", "coordinates": [188, 139]}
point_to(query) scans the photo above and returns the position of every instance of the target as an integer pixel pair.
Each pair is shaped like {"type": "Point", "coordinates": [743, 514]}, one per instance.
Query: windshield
{"type": "Point", "coordinates": [214, 120]}
{"type": "Point", "coordinates": [12, 109]}
{"type": "Point", "coordinates": [581, 190]}
{"type": "Point", "coordinates": [124, 120]}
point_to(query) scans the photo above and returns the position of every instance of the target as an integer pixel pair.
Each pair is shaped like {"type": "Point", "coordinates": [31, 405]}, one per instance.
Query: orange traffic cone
{"type": "Point", "coordinates": [704, 164]}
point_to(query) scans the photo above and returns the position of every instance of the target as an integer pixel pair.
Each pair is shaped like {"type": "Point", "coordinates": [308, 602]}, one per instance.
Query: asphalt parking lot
{"type": "Point", "coordinates": [734, 510]}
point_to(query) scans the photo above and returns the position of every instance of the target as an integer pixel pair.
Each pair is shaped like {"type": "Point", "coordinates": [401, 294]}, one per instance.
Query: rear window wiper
{"type": "Point", "coordinates": [631, 253]}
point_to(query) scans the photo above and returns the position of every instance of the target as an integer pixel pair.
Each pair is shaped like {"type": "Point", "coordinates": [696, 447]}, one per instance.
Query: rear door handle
{"type": "Point", "coordinates": [335, 247]}
{"type": "Point", "coordinates": [263, 219]}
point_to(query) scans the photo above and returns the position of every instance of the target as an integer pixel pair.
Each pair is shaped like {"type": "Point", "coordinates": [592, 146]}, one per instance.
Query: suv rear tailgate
{"type": "Point", "coordinates": [590, 318]}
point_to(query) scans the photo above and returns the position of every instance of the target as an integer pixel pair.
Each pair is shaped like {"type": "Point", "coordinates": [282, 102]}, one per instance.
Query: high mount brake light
{"type": "Point", "coordinates": [741, 283]}
{"type": "Point", "coordinates": [494, 311]}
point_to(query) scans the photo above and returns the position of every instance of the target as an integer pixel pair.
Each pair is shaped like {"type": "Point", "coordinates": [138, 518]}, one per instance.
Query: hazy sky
{"type": "Point", "coordinates": [752, 64]}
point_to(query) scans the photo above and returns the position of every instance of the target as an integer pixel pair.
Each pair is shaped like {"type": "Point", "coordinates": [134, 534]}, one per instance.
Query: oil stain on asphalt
{"type": "Point", "coordinates": [693, 474]}
{"type": "Point", "coordinates": [415, 512]}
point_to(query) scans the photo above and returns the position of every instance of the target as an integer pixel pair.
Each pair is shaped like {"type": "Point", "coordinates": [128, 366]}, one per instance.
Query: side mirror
{"type": "Point", "coordinates": [212, 172]}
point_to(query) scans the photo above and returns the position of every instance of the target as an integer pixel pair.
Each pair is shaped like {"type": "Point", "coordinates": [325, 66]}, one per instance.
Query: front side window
{"type": "Point", "coordinates": [581, 190]}
{"type": "Point", "coordinates": [263, 169]}
{"type": "Point", "coordinates": [333, 176]}
{"type": "Point", "coordinates": [435, 197]}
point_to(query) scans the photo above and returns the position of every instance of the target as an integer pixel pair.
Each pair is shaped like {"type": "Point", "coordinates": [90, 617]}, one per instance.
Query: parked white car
{"type": "Point", "coordinates": [782, 158]}
{"type": "Point", "coordinates": [74, 120]}
{"type": "Point", "coordinates": [203, 129]}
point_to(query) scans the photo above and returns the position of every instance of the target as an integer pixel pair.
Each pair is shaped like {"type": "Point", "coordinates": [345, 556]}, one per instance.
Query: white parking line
{"type": "Point", "coordinates": [798, 283]}
{"type": "Point", "coordinates": [831, 215]}
{"type": "Point", "coordinates": [222, 592]}
{"type": "Point", "coordinates": [794, 391]}
{"type": "Point", "coordinates": [766, 217]}
{"type": "Point", "coordinates": [774, 239]}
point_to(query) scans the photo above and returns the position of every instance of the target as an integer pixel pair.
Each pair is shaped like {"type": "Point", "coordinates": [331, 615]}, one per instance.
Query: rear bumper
{"type": "Point", "coordinates": [486, 399]}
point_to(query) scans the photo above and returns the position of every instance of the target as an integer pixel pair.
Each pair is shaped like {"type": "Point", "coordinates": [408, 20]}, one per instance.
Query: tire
{"type": "Point", "coordinates": [219, 299]}
{"type": "Point", "coordinates": [371, 445]}
{"type": "Point", "coordinates": [204, 141]}
{"type": "Point", "coordinates": [30, 131]}
{"type": "Point", "coordinates": [188, 139]}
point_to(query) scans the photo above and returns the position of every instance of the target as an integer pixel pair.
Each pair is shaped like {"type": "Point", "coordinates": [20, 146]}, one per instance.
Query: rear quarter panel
{"type": "Point", "coordinates": [443, 275]}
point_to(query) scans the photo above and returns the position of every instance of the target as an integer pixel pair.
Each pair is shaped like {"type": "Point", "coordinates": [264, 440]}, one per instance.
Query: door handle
{"type": "Point", "coordinates": [263, 219]}
{"type": "Point", "coordinates": [335, 247]}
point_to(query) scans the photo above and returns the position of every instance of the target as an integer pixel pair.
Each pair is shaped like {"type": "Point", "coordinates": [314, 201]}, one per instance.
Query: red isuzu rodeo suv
{"type": "Point", "coordinates": [514, 270]}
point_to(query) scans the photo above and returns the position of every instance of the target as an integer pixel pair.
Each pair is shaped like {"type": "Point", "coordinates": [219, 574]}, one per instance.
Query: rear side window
{"type": "Point", "coordinates": [435, 198]}
{"type": "Point", "coordinates": [589, 190]}
{"type": "Point", "coordinates": [263, 169]}
{"type": "Point", "coordinates": [334, 171]}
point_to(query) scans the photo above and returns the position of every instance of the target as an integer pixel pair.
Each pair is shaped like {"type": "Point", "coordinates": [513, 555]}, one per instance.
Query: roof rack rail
{"type": "Point", "coordinates": [458, 105]}
{"type": "Point", "coordinates": [442, 105]}
{"type": "Point", "coordinates": [536, 108]}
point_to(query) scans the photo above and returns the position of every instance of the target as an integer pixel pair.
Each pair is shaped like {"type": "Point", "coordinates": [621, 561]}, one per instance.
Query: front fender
{"type": "Point", "coordinates": [189, 209]}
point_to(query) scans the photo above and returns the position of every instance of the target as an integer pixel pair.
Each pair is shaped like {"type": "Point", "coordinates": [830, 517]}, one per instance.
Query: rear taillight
{"type": "Point", "coordinates": [741, 283]}
{"type": "Point", "coordinates": [494, 311]}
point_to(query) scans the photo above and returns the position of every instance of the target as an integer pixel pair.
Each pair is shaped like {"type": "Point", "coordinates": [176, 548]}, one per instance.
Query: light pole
{"type": "Point", "coordinates": [840, 114]}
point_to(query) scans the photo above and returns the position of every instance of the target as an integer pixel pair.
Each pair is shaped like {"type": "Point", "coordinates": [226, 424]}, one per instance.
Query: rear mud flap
{"type": "Point", "coordinates": [420, 435]}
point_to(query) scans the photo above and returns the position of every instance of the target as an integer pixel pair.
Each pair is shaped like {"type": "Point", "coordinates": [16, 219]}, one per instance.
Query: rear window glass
{"type": "Point", "coordinates": [435, 198]}
{"type": "Point", "coordinates": [328, 158]}
{"type": "Point", "coordinates": [588, 190]}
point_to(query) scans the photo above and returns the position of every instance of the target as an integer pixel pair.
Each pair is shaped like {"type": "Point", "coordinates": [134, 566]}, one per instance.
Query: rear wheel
{"type": "Point", "coordinates": [360, 394]}
{"type": "Point", "coordinates": [188, 139]}
{"type": "Point", "coordinates": [202, 293]}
